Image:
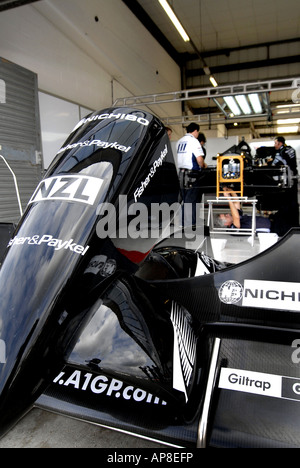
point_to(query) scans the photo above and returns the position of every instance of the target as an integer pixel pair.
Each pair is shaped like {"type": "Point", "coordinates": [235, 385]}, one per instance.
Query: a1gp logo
{"type": "Point", "coordinates": [2, 92]}
{"type": "Point", "coordinates": [296, 352]}
{"type": "Point", "coordinates": [2, 352]}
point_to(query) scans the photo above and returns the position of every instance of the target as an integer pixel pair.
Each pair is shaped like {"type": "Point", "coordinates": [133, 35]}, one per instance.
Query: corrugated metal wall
{"type": "Point", "coordinates": [20, 139]}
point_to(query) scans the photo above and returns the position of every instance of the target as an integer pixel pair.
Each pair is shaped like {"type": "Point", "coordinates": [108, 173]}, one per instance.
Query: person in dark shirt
{"type": "Point", "coordinates": [285, 155]}
{"type": "Point", "coordinates": [202, 140]}
{"type": "Point", "coordinates": [288, 210]}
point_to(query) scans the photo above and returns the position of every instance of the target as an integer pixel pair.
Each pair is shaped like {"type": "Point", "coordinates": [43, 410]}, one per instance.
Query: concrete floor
{"type": "Point", "coordinates": [41, 429]}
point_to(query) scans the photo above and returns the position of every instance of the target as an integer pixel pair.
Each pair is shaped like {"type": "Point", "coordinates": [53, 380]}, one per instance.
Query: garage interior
{"type": "Point", "coordinates": [92, 54]}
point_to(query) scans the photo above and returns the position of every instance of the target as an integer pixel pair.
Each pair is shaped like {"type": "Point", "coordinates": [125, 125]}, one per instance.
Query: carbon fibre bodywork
{"type": "Point", "coordinates": [150, 338]}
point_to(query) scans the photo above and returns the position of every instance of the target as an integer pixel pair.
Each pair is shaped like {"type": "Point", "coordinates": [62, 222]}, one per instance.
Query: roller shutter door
{"type": "Point", "coordinates": [20, 138]}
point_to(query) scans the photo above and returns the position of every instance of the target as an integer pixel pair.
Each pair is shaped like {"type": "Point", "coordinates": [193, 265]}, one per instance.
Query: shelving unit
{"type": "Point", "coordinates": [230, 169]}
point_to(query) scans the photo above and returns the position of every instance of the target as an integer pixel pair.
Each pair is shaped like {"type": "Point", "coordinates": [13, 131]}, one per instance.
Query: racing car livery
{"type": "Point", "coordinates": [104, 322]}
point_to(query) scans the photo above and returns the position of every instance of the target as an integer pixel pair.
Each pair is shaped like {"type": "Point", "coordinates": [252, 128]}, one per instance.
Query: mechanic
{"type": "Point", "coordinates": [236, 218]}
{"type": "Point", "coordinates": [202, 139]}
{"type": "Point", "coordinates": [190, 156]}
{"type": "Point", "coordinates": [285, 155]}
{"type": "Point", "coordinates": [288, 209]}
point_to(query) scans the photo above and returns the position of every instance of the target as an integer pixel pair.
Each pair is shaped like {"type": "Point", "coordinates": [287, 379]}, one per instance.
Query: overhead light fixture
{"type": "Point", "coordinates": [213, 81]}
{"type": "Point", "coordinates": [288, 121]}
{"type": "Point", "coordinates": [255, 103]}
{"type": "Point", "coordinates": [293, 129]}
{"type": "Point", "coordinates": [231, 103]}
{"type": "Point", "coordinates": [174, 20]}
{"type": "Point", "coordinates": [239, 104]}
{"type": "Point", "coordinates": [243, 103]}
{"type": "Point", "coordinates": [282, 106]}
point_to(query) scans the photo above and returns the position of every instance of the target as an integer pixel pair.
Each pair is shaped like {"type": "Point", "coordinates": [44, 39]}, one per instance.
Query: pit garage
{"type": "Point", "coordinates": [230, 66]}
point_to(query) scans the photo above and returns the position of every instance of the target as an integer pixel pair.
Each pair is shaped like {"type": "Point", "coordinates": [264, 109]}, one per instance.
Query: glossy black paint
{"type": "Point", "coordinates": [253, 339]}
{"type": "Point", "coordinates": [45, 295]}
{"type": "Point", "coordinates": [121, 332]}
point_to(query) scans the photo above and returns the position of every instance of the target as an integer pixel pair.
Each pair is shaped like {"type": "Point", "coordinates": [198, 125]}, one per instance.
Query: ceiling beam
{"type": "Point", "coordinates": [216, 118]}
{"type": "Point", "coordinates": [266, 86]}
{"type": "Point", "coordinates": [145, 19]}
{"type": "Point", "coordinates": [245, 65]}
{"type": "Point", "coordinates": [228, 50]}
{"type": "Point", "coordinates": [9, 4]}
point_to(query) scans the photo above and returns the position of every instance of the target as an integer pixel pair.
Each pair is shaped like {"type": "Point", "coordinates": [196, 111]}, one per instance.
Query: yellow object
{"type": "Point", "coordinates": [230, 169]}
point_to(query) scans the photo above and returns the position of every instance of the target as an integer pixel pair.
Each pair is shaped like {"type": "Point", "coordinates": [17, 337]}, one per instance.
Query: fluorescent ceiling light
{"type": "Point", "coordinates": [174, 19]}
{"type": "Point", "coordinates": [288, 121]}
{"type": "Point", "coordinates": [255, 103]}
{"type": "Point", "coordinates": [287, 105]}
{"type": "Point", "coordinates": [293, 129]}
{"type": "Point", "coordinates": [213, 81]}
{"type": "Point", "coordinates": [231, 103]}
{"type": "Point", "coordinates": [243, 103]}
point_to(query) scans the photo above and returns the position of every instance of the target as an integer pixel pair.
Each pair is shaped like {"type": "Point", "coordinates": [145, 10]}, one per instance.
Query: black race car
{"type": "Point", "coordinates": [105, 318]}
{"type": "Point", "coordinates": [260, 179]}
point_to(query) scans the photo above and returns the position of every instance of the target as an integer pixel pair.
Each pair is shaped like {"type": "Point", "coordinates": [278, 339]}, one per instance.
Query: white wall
{"type": "Point", "coordinates": [80, 59]}
{"type": "Point", "coordinates": [218, 145]}
{"type": "Point", "coordinates": [88, 63]}
{"type": "Point", "coordinates": [58, 118]}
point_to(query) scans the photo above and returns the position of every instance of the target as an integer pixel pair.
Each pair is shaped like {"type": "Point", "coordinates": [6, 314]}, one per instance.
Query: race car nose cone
{"type": "Point", "coordinates": [47, 285]}
{"type": "Point", "coordinates": [26, 363]}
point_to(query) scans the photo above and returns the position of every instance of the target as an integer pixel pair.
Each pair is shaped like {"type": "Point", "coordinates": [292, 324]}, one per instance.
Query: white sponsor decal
{"type": "Point", "coordinates": [231, 292]}
{"type": "Point", "coordinates": [101, 384]}
{"type": "Point", "coordinates": [250, 382]}
{"type": "Point", "coordinates": [272, 295]}
{"type": "Point", "coordinates": [129, 117]}
{"type": "Point", "coordinates": [98, 144]}
{"type": "Point", "coordinates": [278, 295]}
{"type": "Point", "coordinates": [139, 191]}
{"type": "Point", "coordinates": [184, 351]}
{"type": "Point", "coordinates": [259, 383]}
{"type": "Point", "coordinates": [75, 188]}
{"type": "Point", "coordinates": [101, 264]}
{"type": "Point", "coordinates": [50, 241]}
